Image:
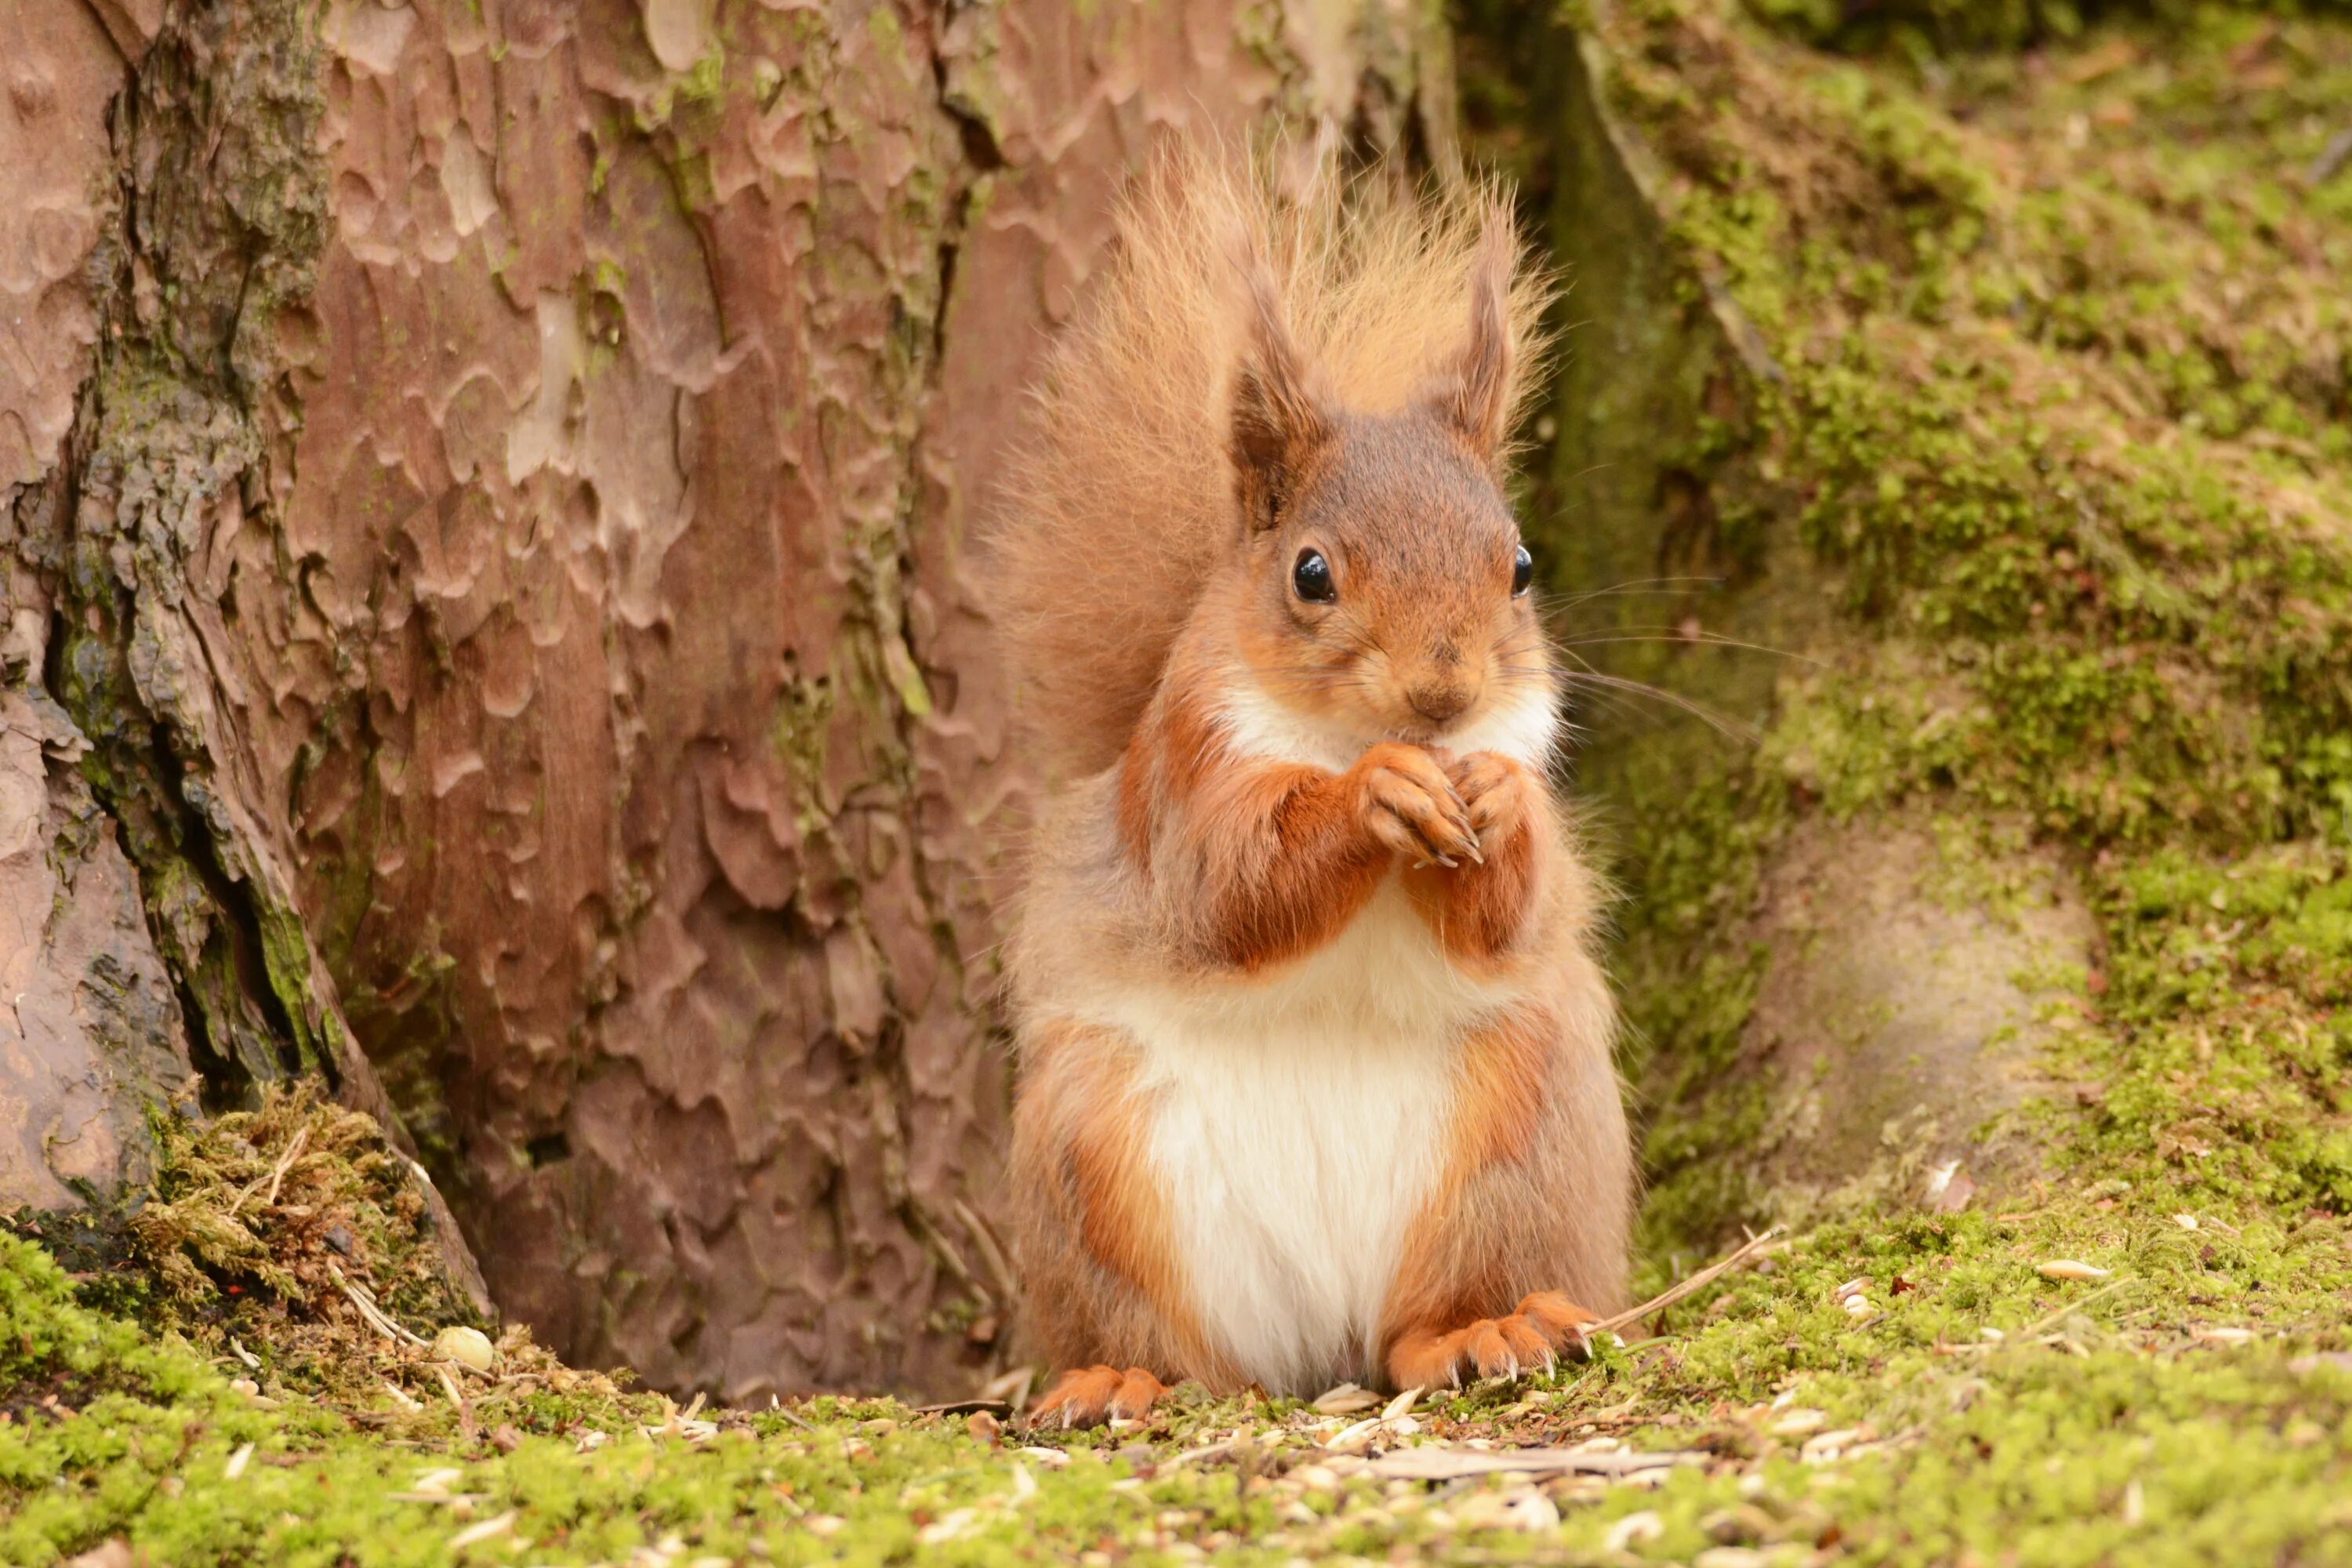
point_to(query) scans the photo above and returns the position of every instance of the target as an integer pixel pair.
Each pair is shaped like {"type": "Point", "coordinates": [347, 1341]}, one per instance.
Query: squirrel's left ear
{"type": "Point", "coordinates": [1474, 396]}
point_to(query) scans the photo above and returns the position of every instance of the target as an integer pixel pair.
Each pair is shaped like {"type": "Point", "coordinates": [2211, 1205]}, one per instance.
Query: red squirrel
{"type": "Point", "coordinates": [1313, 1053]}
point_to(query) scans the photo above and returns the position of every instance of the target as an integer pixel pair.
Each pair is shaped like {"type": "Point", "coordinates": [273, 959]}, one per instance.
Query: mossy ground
{"type": "Point", "coordinates": [2060, 420]}
{"type": "Point", "coordinates": [2197, 1406]}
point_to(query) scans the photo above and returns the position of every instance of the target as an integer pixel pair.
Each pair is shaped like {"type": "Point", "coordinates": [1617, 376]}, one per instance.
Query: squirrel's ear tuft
{"type": "Point", "coordinates": [1475, 398]}
{"type": "Point", "coordinates": [1278, 423]}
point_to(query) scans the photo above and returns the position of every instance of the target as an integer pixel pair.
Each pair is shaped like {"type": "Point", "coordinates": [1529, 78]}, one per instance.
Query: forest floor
{"type": "Point", "coordinates": [2063, 341]}
{"type": "Point", "coordinates": [2103, 1372]}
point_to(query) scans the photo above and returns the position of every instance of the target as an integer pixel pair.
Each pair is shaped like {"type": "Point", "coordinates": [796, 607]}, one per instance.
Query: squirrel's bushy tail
{"type": "Point", "coordinates": [1120, 502]}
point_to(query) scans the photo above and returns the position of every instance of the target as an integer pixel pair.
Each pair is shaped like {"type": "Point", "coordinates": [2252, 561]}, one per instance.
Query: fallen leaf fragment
{"type": "Point", "coordinates": [2070, 1269]}
{"type": "Point", "coordinates": [1730, 1557]}
{"type": "Point", "coordinates": [497, 1524]}
{"type": "Point", "coordinates": [1442, 1464]}
{"type": "Point", "coordinates": [1345, 1400]}
{"type": "Point", "coordinates": [436, 1482]}
{"type": "Point", "coordinates": [947, 1527]}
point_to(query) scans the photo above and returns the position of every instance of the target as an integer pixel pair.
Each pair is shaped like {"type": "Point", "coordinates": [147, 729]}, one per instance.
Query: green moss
{"type": "Point", "coordinates": [1919, 29]}
{"type": "Point", "coordinates": [2045, 405]}
{"type": "Point", "coordinates": [2024, 1450]}
{"type": "Point", "coordinates": [2048, 421]}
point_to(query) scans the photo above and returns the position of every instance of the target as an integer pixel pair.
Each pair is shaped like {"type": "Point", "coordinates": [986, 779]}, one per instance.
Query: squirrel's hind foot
{"type": "Point", "coordinates": [1543, 1327]}
{"type": "Point", "coordinates": [1089, 1396]}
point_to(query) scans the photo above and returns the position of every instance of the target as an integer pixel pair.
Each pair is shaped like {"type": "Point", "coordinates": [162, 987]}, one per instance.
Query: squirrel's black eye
{"type": "Point", "coordinates": [1523, 572]}
{"type": "Point", "coordinates": [1312, 578]}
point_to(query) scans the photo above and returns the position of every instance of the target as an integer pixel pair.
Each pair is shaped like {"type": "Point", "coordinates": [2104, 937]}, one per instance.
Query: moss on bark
{"type": "Point", "coordinates": [2018, 420]}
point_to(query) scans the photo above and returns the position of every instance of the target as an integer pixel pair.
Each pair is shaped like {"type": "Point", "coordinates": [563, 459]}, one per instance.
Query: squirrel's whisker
{"type": "Point", "coordinates": [1720, 722]}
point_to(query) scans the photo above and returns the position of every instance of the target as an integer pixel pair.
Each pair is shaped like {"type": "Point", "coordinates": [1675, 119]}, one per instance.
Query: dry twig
{"type": "Point", "coordinates": [1755, 1246]}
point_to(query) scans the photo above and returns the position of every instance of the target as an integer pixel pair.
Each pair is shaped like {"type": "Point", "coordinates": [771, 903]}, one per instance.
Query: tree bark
{"type": "Point", "coordinates": [491, 515]}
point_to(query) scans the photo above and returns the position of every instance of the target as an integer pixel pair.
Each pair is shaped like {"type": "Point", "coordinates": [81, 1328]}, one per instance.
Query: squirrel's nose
{"type": "Point", "coordinates": [1438, 703]}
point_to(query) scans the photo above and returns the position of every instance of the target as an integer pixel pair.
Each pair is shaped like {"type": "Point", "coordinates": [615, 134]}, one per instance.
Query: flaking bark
{"type": "Point", "coordinates": [507, 562]}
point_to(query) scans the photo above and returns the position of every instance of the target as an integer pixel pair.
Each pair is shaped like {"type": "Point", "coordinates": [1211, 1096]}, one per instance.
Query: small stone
{"type": "Point", "coordinates": [1525, 1509]}
{"type": "Point", "coordinates": [1632, 1530]}
{"type": "Point", "coordinates": [1743, 1526]}
{"type": "Point", "coordinates": [468, 1347]}
{"type": "Point", "coordinates": [1317, 1477]}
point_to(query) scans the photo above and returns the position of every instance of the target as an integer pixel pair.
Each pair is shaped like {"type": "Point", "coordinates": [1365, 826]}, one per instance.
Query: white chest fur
{"type": "Point", "coordinates": [1297, 1126]}
{"type": "Point", "coordinates": [1524, 726]}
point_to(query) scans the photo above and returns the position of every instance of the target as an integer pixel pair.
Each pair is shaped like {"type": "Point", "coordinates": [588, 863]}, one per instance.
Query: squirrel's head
{"type": "Point", "coordinates": [1386, 584]}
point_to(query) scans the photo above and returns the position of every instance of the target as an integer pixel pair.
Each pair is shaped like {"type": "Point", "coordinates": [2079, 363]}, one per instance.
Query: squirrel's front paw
{"type": "Point", "coordinates": [1494, 792]}
{"type": "Point", "coordinates": [1544, 1326]}
{"type": "Point", "coordinates": [1089, 1396]}
{"type": "Point", "coordinates": [1408, 803]}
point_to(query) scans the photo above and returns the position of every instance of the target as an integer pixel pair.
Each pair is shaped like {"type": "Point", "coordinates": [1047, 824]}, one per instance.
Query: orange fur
{"type": "Point", "coordinates": [1078, 1143]}
{"type": "Point", "coordinates": [1275, 857]}
{"type": "Point", "coordinates": [1480, 911]}
{"type": "Point", "coordinates": [1248, 765]}
{"type": "Point", "coordinates": [1517, 1215]}
{"type": "Point", "coordinates": [1084, 1395]}
{"type": "Point", "coordinates": [1116, 509]}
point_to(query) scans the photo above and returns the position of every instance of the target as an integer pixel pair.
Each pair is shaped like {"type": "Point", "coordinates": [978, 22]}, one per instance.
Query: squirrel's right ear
{"type": "Point", "coordinates": [1278, 424]}
{"type": "Point", "coordinates": [1475, 399]}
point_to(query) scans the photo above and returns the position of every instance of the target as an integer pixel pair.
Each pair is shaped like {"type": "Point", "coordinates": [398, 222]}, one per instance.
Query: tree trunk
{"type": "Point", "coordinates": [491, 612]}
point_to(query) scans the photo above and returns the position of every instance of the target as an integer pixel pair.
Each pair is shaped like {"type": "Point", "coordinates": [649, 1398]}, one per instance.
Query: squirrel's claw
{"type": "Point", "coordinates": [1085, 1396]}
{"type": "Point", "coordinates": [1544, 1326]}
